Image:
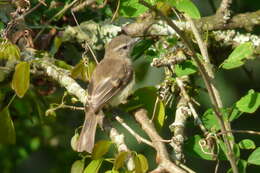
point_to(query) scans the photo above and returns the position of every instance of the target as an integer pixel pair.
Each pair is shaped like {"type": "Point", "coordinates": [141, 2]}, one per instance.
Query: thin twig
{"type": "Point", "coordinates": [90, 49]}
{"type": "Point", "coordinates": [132, 132]}
{"type": "Point", "coordinates": [117, 8]}
{"type": "Point", "coordinates": [240, 131]}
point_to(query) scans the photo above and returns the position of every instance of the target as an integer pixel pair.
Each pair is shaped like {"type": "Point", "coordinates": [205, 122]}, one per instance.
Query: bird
{"type": "Point", "coordinates": [111, 83]}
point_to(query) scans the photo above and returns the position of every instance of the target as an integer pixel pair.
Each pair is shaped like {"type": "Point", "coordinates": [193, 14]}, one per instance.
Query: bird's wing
{"type": "Point", "coordinates": [109, 85]}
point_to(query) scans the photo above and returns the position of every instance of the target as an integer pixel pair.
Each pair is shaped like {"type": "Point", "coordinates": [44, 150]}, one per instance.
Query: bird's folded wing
{"type": "Point", "coordinates": [108, 87]}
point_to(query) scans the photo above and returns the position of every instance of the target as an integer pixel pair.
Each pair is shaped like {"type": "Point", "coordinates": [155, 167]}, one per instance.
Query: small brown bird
{"type": "Point", "coordinates": [111, 83]}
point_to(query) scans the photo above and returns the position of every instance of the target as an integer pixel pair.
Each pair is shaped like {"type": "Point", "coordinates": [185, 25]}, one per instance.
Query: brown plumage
{"type": "Point", "coordinates": [111, 82]}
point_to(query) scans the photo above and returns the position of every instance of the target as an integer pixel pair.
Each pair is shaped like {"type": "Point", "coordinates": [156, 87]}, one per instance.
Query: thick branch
{"type": "Point", "coordinates": [162, 154]}
{"type": "Point", "coordinates": [63, 78]}
{"type": "Point", "coordinates": [244, 20]}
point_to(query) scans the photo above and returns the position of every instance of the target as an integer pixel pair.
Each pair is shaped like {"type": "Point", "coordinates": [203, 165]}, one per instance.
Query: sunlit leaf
{"type": "Point", "coordinates": [120, 160]}
{"type": "Point", "coordinates": [237, 57]}
{"type": "Point", "coordinates": [185, 68]}
{"type": "Point", "coordinates": [138, 167]}
{"type": "Point", "coordinates": [131, 8]}
{"type": "Point", "coordinates": [21, 78]}
{"type": "Point", "coordinates": [80, 72]}
{"type": "Point", "coordinates": [210, 121]}
{"type": "Point", "coordinates": [9, 51]}
{"type": "Point", "coordinates": [254, 157]}
{"type": "Point", "coordinates": [247, 144]}
{"type": "Point", "coordinates": [77, 167]}
{"type": "Point", "coordinates": [160, 114]}
{"type": "Point", "coordinates": [101, 148]}
{"type": "Point", "coordinates": [7, 131]}
{"type": "Point", "coordinates": [186, 6]}
{"type": "Point", "coordinates": [143, 162]}
{"type": "Point", "coordinates": [74, 141]}
{"type": "Point", "coordinates": [93, 166]}
{"type": "Point", "coordinates": [235, 114]}
{"type": "Point", "coordinates": [250, 102]}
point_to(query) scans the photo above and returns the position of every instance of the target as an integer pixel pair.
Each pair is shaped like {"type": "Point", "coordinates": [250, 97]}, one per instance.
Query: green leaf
{"type": "Point", "coordinates": [100, 148]}
{"type": "Point", "coordinates": [193, 148]}
{"type": "Point", "coordinates": [250, 102]}
{"type": "Point", "coordinates": [21, 78]}
{"type": "Point", "coordinates": [120, 160]}
{"type": "Point", "coordinates": [1, 25]}
{"type": "Point", "coordinates": [185, 68]}
{"type": "Point", "coordinates": [186, 6]}
{"type": "Point", "coordinates": [93, 166]}
{"type": "Point", "coordinates": [77, 166]}
{"type": "Point", "coordinates": [131, 8]}
{"type": "Point", "coordinates": [247, 144]}
{"type": "Point", "coordinates": [237, 57]}
{"type": "Point", "coordinates": [210, 121]}
{"type": "Point", "coordinates": [35, 143]}
{"type": "Point", "coordinates": [112, 171]}
{"type": "Point", "coordinates": [242, 164]}
{"type": "Point", "coordinates": [7, 131]}
{"type": "Point", "coordinates": [235, 114]}
{"type": "Point", "coordinates": [254, 157]}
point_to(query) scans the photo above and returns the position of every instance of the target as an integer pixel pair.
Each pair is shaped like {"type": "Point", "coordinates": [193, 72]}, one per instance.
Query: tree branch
{"type": "Point", "coordinates": [162, 154]}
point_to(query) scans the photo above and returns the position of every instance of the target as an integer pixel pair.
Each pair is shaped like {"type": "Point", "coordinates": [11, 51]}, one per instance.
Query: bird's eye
{"type": "Point", "coordinates": [125, 47]}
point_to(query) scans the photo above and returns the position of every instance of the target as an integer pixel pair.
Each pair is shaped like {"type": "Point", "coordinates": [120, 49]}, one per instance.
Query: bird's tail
{"type": "Point", "coordinates": [87, 136]}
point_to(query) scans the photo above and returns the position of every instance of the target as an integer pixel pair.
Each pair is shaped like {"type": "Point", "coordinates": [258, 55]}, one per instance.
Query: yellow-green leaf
{"type": "Point", "coordinates": [7, 131]}
{"type": "Point", "coordinates": [93, 166]}
{"type": "Point", "coordinates": [56, 45]}
{"type": "Point", "coordinates": [120, 160]}
{"type": "Point", "coordinates": [80, 72]}
{"type": "Point", "coordinates": [21, 78]}
{"type": "Point", "coordinates": [138, 166]}
{"type": "Point", "coordinates": [9, 51]}
{"type": "Point", "coordinates": [160, 114]}
{"type": "Point", "coordinates": [143, 162]}
{"type": "Point", "coordinates": [77, 166]}
{"type": "Point", "coordinates": [90, 69]}
{"type": "Point", "coordinates": [100, 148]}
{"type": "Point", "coordinates": [74, 141]}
